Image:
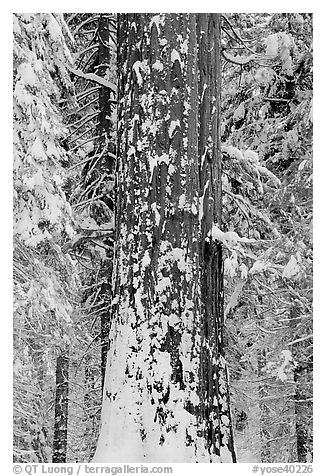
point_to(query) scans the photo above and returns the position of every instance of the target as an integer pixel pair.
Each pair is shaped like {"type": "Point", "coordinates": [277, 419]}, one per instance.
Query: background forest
{"type": "Point", "coordinates": [65, 140]}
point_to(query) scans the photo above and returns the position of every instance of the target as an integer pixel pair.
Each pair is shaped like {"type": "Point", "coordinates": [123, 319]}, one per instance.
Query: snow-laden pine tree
{"type": "Point", "coordinates": [44, 276]}
{"type": "Point", "coordinates": [267, 127]}
{"type": "Point", "coordinates": [166, 390]}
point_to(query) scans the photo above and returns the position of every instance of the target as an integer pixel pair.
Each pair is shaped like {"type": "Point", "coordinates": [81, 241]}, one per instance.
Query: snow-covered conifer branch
{"type": "Point", "coordinates": [95, 78]}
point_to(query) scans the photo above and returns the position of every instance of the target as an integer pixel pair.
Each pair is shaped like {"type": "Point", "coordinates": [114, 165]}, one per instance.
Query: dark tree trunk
{"type": "Point", "coordinates": [209, 90]}
{"type": "Point", "coordinates": [166, 389]}
{"type": "Point", "coordinates": [265, 425]}
{"type": "Point", "coordinates": [303, 406]}
{"type": "Point", "coordinates": [104, 61]}
{"type": "Point", "coordinates": [98, 175]}
{"type": "Point", "coordinates": [107, 164]}
{"type": "Point", "coordinates": [61, 411]}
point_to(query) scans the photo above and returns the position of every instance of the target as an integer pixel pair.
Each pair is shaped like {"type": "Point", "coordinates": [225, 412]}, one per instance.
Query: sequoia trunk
{"type": "Point", "coordinates": [166, 391]}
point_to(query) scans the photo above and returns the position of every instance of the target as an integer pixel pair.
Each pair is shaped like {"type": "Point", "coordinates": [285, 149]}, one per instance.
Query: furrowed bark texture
{"type": "Point", "coordinates": [166, 391]}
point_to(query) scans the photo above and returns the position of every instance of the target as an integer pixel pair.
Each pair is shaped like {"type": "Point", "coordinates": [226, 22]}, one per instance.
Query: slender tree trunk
{"type": "Point", "coordinates": [106, 167]}
{"type": "Point", "coordinates": [98, 174]}
{"type": "Point", "coordinates": [265, 416]}
{"type": "Point", "coordinates": [303, 412]}
{"type": "Point", "coordinates": [303, 407]}
{"type": "Point", "coordinates": [61, 411]}
{"type": "Point", "coordinates": [209, 89]}
{"type": "Point", "coordinates": [104, 61]}
{"type": "Point", "coordinates": [166, 391]}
